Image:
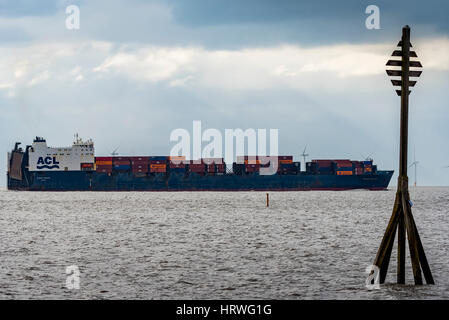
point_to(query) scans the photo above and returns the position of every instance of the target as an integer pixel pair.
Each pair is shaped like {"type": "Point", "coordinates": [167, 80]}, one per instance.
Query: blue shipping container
{"type": "Point", "coordinates": [122, 167]}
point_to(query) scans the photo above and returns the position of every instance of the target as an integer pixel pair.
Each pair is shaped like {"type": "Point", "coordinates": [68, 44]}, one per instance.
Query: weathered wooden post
{"type": "Point", "coordinates": [402, 218]}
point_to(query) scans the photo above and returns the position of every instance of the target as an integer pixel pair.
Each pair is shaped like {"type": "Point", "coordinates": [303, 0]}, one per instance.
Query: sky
{"type": "Point", "coordinates": [136, 70]}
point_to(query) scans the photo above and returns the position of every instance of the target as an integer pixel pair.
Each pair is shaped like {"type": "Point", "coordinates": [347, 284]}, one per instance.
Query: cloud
{"type": "Point", "coordinates": [258, 68]}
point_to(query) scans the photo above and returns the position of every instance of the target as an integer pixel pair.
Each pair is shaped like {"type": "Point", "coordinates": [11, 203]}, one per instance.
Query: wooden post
{"type": "Point", "coordinates": [402, 217]}
{"type": "Point", "coordinates": [268, 200]}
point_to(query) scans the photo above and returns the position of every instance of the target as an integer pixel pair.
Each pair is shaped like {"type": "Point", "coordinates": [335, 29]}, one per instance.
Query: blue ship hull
{"type": "Point", "coordinates": [127, 181]}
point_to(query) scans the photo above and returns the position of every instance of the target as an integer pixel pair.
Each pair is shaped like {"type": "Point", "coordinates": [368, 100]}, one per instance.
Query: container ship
{"type": "Point", "coordinates": [39, 167]}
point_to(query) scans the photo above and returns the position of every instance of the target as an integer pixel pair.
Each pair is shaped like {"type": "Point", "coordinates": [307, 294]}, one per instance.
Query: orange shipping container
{"type": "Point", "coordinates": [344, 173]}
{"type": "Point", "coordinates": [158, 166]}
{"type": "Point", "coordinates": [104, 162]}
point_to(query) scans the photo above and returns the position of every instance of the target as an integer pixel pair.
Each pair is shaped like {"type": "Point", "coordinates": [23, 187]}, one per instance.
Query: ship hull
{"type": "Point", "coordinates": [127, 181]}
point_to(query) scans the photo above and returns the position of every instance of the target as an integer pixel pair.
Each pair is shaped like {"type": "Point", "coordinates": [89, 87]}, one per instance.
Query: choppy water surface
{"type": "Point", "coordinates": [306, 245]}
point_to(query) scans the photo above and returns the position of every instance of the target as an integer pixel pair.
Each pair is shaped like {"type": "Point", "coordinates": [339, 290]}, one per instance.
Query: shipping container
{"type": "Point", "coordinates": [158, 161]}
{"type": "Point", "coordinates": [323, 163]}
{"type": "Point", "coordinates": [153, 165]}
{"type": "Point", "coordinates": [252, 167]}
{"type": "Point", "coordinates": [197, 167]}
{"type": "Point", "coordinates": [137, 159]}
{"type": "Point", "coordinates": [345, 168]}
{"type": "Point", "coordinates": [103, 162]}
{"type": "Point", "coordinates": [107, 169]}
{"type": "Point", "coordinates": [121, 162]}
{"type": "Point", "coordinates": [177, 159]}
{"type": "Point", "coordinates": [114, 159]}
{"type": "Point", "coordinates": [103, 159]}
{"type": "Point", "coordinates": [212, 160]}
{"type": "Point", "coordinates": [344, 173]}
{"type": "Point", "coordinates": [121, 167]}
{"type": "Point", "coordinates": [159, 158]}
{"type": "Point", "coordinates": [221, 168]}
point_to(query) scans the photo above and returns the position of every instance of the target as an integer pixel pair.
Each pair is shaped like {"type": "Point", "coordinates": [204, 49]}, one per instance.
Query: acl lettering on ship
{"type": "Point", "coordinates": [47, 162]}
{"type": "Point", "coordinates": [45, 158]}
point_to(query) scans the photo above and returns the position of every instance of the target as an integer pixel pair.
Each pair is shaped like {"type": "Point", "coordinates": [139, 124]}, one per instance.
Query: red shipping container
{"type": "Point", "coordinates": [144, 159]}
{"type": "Point", "coordinates": [103, 158]}
{"type": "Point", "coordinates": [197, 167]}
{"type": "Point", "coordinates": [323, 163]}
{"type": "Point", "coordinates": [221, 168]}
{"type": "Point", "coordinates": [121, 159]}
{"type": "Point", "coordinates": [139, 162]}
{"type": "Point", "coordinates": [252, 167]}
{"type": "Point", "coordinates": [104, 169]}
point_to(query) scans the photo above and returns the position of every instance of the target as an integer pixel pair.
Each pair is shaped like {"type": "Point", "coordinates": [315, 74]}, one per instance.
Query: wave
{"type": "Point", "coordinates": [48, 167]}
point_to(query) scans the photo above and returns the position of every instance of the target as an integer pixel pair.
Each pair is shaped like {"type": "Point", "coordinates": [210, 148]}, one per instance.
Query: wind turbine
{"type": "Point", "coordinates": [114, 153]}
{"type": "Point", "coordinates": [304, 155]}
{"type": "Point", "coordinates": [414, 163]}
{"type": "Point", "coordinates": [369, 158]}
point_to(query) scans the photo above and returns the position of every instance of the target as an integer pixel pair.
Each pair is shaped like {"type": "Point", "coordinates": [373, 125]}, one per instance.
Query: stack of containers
{"type": "Point", "coordinates": [121, 163]}
{"type": "Point", "coordinates": [290, 168]}
{"type": "Point", "coordinates": [177, 164]}
{"type": "Point", "coordinates": [324, 166]}
{"type": "Point", "coordinates": [158, 164]}
{"type": "Point", "coordinates": [311, 167]}
{"type": "Point", "coordinates": [197, 167]}
{"type": "Point", "coordinates": [250, 168]}
{"type": "Point", "coordinates": [285, 165]}
{"type": "Point", "coordinates": [358, 167]}
{"type": "Point", "coordinates": [343, 167]}
{"type": "Point", "coordinates": [221, 168]}
{"type": "Point", "coordinates": [140, 164]}
{"type": "Point", "coordinates": [368, 166]}
{"type": "Point", "coordinates": [285, 159]}
{"type": "Point", "coordinates": [103, 164]}
{"type": "Point", "coordinates": [211, 164]}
